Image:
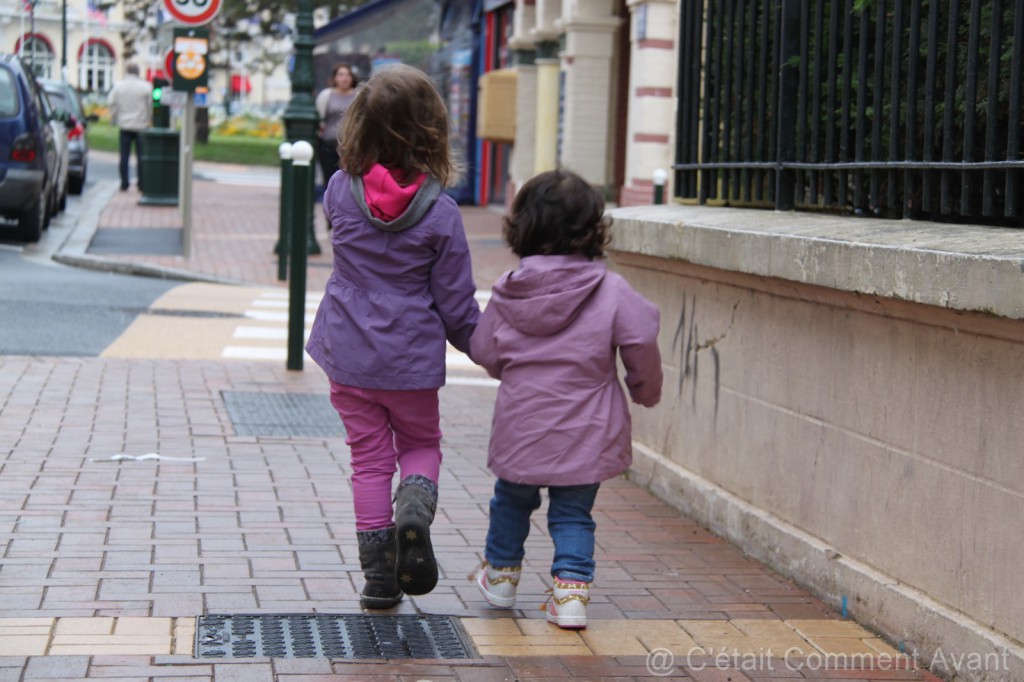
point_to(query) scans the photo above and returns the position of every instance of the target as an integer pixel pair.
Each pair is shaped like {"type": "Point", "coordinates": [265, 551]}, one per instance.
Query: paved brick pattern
{"type": "Point", "coordinates": [98, 556]}
{"type": "Point", "coordinates": [235, 229]}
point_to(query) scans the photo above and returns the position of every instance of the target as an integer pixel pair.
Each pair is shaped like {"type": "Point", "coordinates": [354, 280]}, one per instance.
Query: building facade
{"type": "Point", "coordinates": [249, 68]}
{"type": "Point", "coordinates": [89, 55]}
{"type": "Point", "coordinates": [594, 92]}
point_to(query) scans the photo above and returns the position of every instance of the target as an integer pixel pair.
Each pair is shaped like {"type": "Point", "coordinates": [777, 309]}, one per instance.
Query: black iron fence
{"type": "Point", "coordinates": [891, 108]}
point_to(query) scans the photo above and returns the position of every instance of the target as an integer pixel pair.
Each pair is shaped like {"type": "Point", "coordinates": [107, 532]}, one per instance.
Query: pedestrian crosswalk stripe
{"type": "Point", "coordinates": [472, 381]}
{"type": "Point", "coordinates": [277, 303]}
{"type": "Point", "coordinates": [268, 306]}
{"type": "Point", "coordinates": [263, 333]}
{"type": "Point", "coordinates": [258, 353]}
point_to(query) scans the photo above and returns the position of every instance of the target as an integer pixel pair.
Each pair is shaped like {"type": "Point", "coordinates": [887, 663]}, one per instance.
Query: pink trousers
{"type": "Point", "coordinates": [387, 430]}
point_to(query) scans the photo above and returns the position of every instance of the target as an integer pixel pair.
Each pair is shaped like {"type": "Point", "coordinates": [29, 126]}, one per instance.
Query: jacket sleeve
{"type": "Point", "coordinates": [451, 285]}
{"type": "Point", "coordinates": [322, 98]}
{"type": "Point", "coordinates": [635, 332]}
{"type": "Point", "coordinates": [483, 346]}
{"type": "Point", "coordinates": [112, 105]}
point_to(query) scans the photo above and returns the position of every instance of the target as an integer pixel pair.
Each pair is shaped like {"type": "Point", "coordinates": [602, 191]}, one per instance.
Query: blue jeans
{"type": "Point", "coordinates": [569, 523]}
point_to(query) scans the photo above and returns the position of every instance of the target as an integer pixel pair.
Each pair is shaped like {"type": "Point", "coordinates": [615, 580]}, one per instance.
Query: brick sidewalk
{"type": "Point", "coordinates": [235, 228]}
{"type": "Point", "coordinates": [106, 564]}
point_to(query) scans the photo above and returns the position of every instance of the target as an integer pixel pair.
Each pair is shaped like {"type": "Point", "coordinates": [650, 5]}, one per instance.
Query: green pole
{"type": "Point", "coordinates": [302, 153]}
{"type": "Point", "coordinates": [300, 119]}
{"type": "Point", "coordinates": [284, 219]}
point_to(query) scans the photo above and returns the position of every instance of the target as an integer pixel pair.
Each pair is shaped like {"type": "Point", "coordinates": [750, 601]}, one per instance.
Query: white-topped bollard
{"type": "Point", "coordinates": [284, 151]}
{"type": "Point", "coordinates": [660, 176]}
{"type": "Point", "coordinates": [302, 154]}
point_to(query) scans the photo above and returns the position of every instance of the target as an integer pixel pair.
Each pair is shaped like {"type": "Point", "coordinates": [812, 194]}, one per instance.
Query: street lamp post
{"type": "Point", "coordinates": [64, 40]}
{"type": "Point", "coordinates": [300, 117]}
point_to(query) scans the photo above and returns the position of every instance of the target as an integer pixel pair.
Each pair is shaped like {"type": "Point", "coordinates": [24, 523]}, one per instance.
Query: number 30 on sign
{"type": "Point", "coordinates": [193, 12]}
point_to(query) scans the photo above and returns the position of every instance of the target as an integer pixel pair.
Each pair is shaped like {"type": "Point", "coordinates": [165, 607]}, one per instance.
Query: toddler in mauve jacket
{"type": "Point", "coordinates": [551, 333]}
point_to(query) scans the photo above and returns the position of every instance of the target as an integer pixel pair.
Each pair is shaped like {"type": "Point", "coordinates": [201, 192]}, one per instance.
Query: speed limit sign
{"type": "Point", "coordinates": [193, 12]}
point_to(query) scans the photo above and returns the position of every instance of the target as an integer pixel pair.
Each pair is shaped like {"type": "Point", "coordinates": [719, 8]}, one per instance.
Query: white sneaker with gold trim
{"type": "Point", "coordinates": [498, 585]}
{"type": "Point", "coordinates": [567, 607]}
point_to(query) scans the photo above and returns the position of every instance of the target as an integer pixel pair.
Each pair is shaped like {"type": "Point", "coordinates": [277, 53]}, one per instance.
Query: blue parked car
{"type": "Point", "coordinates": [30, 165]}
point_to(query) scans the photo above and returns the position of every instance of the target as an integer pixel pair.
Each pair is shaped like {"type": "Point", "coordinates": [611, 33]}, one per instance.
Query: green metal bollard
{"type": "Point", "coordinates": [302, 154]}
{"type": "Point", "coordinates": [660, 178]}
{"type": "Point", "coordinates": [284, 220]}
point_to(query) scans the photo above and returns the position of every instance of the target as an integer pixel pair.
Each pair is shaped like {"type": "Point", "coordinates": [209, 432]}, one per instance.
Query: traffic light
{"type": "Point", "coordinates": [161, 112]}
{"type": "Point", "coordinates": [158, 89]}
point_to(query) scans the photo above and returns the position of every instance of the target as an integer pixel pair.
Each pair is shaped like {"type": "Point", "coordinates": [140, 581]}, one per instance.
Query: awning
{"type": "Point", "coordinates": [240, 84]}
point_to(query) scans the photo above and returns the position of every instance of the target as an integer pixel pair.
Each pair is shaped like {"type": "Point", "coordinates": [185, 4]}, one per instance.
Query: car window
{"type": "Point", "coordinates": [59, 100]}
{"type": "Point", "coordinates": [36, 96]}
{"type": "Point", "coordinates": [47, 106]}
{"type": "Point", "coordinates": [8, 94]}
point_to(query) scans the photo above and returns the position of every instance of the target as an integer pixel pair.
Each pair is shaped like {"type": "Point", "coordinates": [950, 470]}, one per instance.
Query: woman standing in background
{"type": "Point", "coordinates": [331, 105]}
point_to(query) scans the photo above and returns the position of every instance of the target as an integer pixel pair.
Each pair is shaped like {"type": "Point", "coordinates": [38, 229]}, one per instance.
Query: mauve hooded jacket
{"type": "Point", "coordinates": [399, 289]}
{"type": "Point", "coordinates": [550, 333]}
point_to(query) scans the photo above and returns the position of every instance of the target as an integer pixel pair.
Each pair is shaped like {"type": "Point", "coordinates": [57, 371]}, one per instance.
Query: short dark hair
{"type": "Point", "coordinates": [398, 120]}
{"type": "Point", "coordinates": [557, 213]}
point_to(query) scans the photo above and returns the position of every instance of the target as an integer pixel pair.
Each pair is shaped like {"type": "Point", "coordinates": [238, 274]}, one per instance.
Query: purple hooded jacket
{"type": "Point", "coordinates": [550, 334]}
{"type": "Point", "coordinates": [399, 289]}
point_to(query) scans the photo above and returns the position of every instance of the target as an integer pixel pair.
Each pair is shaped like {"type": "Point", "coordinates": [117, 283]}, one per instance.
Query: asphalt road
{"type": "Point", "coordinates": [52, 309]}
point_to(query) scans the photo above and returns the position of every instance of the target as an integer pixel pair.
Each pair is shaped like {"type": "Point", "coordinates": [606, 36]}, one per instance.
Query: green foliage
{"type": "Point", "coordinates": [415, 52]}
{"type": "Point", "coordinates": [270, 16]}
{"type": "Point", "coordinates": [238, 149]}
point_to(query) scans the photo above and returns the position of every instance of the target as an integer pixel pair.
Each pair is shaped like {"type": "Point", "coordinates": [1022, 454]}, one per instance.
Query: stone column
{"type": "Point", "coordinates": [545, 38]}
{"type": "Point", "coordinates": [524, 150]}
{"type": "Point", "coordinates": [546, 131]}
{"type": "Point", "coordinates": [652, 73]}
{"type": "Point", "coordinates": [587, 59]}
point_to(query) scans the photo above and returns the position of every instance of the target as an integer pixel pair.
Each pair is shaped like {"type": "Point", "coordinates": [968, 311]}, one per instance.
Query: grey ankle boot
{"type": "Point", "coordinates": [377, 553]}
{"type": "Point", "coordinates": [415, 502]}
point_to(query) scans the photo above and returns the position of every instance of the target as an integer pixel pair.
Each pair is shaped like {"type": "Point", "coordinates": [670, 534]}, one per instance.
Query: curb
{"type": "Point", "coordinates": [73, 251]}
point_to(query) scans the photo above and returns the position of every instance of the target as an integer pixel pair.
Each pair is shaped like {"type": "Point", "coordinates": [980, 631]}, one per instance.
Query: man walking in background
{"type": "Point", "coordinates": [131, 106]}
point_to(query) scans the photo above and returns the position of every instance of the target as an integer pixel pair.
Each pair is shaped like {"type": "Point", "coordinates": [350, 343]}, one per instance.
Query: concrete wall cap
{"type": "Point", "coordinates": [961, 267]}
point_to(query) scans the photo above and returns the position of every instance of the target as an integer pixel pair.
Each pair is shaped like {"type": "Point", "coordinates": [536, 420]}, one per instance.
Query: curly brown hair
{"type": "Point", "coordinates": [398, 120]}
{"type": "Point", "coordinates": [557, 213]}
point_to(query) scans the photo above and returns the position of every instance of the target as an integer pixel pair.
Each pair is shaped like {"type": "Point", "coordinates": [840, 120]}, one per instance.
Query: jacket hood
{"type": "Point", "coordinates": [546, 293]}
{"type": "Point", "coordinates": [390, 206]}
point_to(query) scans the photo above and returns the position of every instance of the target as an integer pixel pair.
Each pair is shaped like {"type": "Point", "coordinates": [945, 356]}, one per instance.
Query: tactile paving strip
{"type": "Point", "coordinates": [355, 636]}
{"type": "Point", "coordinates": [282, 414]}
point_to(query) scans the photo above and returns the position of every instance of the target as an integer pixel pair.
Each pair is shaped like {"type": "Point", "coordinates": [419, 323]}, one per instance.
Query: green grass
{"type": "Point", "coordinates": [248, 151]}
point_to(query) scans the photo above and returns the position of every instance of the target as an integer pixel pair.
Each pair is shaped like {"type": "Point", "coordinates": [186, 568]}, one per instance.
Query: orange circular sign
{"type": "Point", "coordinates": [190, 65]}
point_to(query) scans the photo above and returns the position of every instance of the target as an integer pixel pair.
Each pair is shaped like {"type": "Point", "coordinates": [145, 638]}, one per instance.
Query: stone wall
{"type": "Point", "coordinates": [844, 400]}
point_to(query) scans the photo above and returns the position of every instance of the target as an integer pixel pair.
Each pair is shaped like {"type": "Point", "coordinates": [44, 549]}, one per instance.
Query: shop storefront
{"type": "Point", "coordinates": [438, 37]}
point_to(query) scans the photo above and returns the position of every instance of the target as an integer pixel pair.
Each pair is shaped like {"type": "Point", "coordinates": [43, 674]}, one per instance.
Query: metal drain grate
{"type": "Point", "coordinates": [330, 636]}
{"type": "Point", "coordinates": [282, 414]}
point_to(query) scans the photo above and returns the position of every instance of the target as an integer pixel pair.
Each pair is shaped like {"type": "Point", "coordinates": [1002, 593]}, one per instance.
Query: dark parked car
{"type": "Point", "coordinates": [65, 99]}
{"type": "Point", "coordinates": [59, 121]}
{"type": "Point", "coordinates": [29, 157]}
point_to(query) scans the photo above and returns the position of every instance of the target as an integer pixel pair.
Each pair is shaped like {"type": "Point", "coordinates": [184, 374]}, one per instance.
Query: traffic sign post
{"type": "Point", "coordinates": [191, 46]}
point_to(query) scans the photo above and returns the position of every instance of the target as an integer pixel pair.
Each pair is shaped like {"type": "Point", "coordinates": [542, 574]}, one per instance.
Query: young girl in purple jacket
{"type": "Point", "coordinates": [402, 285]}
{"type": "Point", "coordinates": [550, 333]}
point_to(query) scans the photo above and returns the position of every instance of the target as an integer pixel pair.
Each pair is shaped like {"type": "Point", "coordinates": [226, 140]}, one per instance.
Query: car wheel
{"type": "Point", "coordinates": [31, 223]}
{"type": "Point", "coordinates": [63, 198]}
{"type": "Point", "coordinates": [76, 183]}
{"type": "Point", "coordinates": [54, 204]}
